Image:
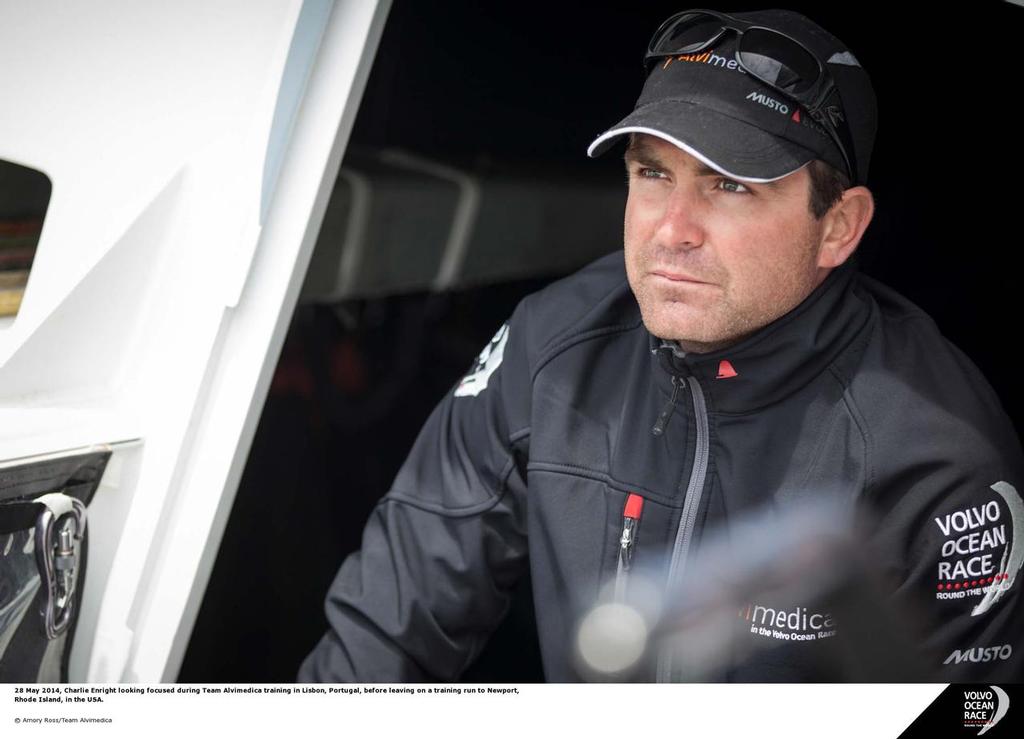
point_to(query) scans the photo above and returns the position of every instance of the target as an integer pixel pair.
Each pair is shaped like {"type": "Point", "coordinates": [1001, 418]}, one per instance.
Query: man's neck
{"type": "Point", "coordinates": [697, 347]}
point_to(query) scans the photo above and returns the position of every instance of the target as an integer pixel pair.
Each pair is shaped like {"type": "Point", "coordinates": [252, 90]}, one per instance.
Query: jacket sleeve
{"type": "Point", "coordinates": [953, 539]}
{"type": "Point", "coordinates": [445, 546]}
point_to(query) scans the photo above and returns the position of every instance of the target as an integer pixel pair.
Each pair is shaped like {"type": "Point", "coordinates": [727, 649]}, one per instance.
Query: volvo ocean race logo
{"type": "Point", "coordinates": [488, 361]}
{"type": "Point", "coordinates": [984, 708]}
{"type": "Point", "coordinates": [974, 538]}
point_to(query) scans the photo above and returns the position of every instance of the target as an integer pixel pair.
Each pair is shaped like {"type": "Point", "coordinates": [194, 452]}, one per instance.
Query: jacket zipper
{"type": "Point", "coordinates": [627, 542]}
{"type": "Point", "coordinates": [666, 412]}
{"type": "Point", "coordinates": [691, 503]}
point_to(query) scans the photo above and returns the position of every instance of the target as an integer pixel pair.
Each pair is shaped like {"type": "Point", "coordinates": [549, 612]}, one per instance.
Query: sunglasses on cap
{"type": "Point", "coordinates": [775, 59]}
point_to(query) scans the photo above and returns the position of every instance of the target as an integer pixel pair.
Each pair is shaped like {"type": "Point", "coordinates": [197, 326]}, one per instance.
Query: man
{"type": "Point", "coordinates": [732, 362]}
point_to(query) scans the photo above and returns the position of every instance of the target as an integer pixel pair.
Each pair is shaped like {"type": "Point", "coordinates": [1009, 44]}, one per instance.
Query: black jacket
{"type": "Point", "coordinates": [530, 460]}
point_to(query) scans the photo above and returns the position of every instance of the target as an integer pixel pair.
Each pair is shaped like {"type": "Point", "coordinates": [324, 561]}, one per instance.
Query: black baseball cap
{"type": "Point", "coordinates": [707, 105]}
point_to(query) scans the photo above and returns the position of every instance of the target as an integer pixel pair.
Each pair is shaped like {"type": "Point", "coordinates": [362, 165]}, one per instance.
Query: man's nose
{"type": "Point", "coordinates": [682, 224]}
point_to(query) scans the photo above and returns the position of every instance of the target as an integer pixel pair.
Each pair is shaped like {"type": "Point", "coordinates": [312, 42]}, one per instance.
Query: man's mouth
{"type": "Point", "coordinates": [678, 276]}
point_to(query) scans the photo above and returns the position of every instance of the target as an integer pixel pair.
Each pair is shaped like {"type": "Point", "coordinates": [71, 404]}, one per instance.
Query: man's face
{"type": "Point", "coordinates": [712, 259]}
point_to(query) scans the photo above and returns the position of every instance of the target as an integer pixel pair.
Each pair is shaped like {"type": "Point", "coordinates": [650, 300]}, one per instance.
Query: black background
{"type": "Point", "coordinates": [527, 85]}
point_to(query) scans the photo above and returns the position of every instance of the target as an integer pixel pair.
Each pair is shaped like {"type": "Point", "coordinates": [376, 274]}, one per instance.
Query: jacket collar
{"type": "Point", "coordinates": [781, 358]}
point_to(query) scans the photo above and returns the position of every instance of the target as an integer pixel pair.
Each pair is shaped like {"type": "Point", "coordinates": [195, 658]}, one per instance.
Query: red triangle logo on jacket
{"type": "Point", "coordinates": [725, 370]}
{"type": "Point", "coordinates": [796, 115]}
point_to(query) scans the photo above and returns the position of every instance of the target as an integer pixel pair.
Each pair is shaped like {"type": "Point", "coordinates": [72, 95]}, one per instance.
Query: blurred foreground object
{"type": "Point", "coordinates": [799, 576]}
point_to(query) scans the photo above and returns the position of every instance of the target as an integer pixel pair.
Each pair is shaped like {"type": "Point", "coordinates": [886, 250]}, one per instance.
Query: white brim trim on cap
{"type": "Point", "coordinates": [685, 147]}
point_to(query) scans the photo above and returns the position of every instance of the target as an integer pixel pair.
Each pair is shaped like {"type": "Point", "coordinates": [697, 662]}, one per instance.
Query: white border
{"type": "Point", "coordinates": [685, 147]}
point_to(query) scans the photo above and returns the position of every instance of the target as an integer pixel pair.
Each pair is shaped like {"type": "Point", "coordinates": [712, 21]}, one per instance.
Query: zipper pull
{"type": "Point", "coordinates": [627, 542]}
{"type": "Point", "coordinates": [666, 412]}
{"type": "Point", "coordinates": [630, 521]}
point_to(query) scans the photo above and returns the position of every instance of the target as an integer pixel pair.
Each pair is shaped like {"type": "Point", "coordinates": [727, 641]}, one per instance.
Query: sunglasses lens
{"type": "Point", "coordinates": [687, 33]}
{"type": "Point", "coordinates": [778, 61]}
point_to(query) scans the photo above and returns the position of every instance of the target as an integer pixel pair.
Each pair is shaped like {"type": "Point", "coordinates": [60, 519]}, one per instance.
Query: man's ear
{"type": "Point", "coordinates": [844, 225]}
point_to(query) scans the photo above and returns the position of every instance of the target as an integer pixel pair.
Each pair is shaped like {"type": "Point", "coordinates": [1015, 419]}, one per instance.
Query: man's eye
{"type": "Point", "coordinates": [734, 187]}
{"type": "Point", "coordinates": [650, 173]}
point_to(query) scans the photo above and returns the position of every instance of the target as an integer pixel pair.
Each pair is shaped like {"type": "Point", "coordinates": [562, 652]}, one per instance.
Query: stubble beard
{"type": "Point", "coordinates": [722, 322]}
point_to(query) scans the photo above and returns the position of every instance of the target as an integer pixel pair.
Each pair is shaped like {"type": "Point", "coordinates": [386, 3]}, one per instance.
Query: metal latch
{"type": "Point", "coordinates": [59, 531]}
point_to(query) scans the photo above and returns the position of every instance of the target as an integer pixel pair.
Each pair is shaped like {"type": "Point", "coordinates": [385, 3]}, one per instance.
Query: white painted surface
{"type": "Point", "coordinates": [161, 291]}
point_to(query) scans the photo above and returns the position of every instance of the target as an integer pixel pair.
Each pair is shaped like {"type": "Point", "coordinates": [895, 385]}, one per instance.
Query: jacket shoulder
{"type": "Point", "coordinates": [590, 302]}
{"type": "Point", "coordinates": [918, 392]}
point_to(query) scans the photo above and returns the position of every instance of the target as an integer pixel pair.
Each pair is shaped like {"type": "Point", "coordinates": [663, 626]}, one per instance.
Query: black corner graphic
{"type": "Point", "coordinates": [969, 710]}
